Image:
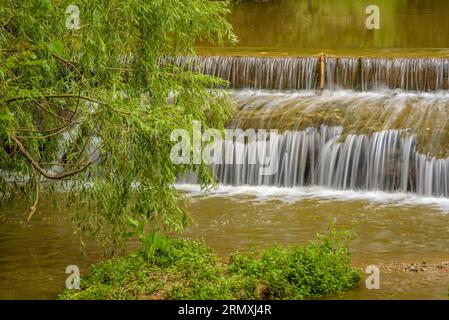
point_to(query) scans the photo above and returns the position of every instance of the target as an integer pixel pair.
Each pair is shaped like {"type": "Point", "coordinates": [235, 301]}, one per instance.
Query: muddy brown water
{"type": "Point", "coordinates": [408, 28]}
{"type": "Point", "coordinates": [33, 256]}
{"type": "Point", "coordinates": [332, 24]}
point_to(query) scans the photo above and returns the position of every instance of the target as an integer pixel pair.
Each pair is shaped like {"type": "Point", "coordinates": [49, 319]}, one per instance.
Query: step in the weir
{"type": "Point", "coordinates": [303, 73]}
{"type": "Point", "coordinates": [257, 72]}
{"type": "Point", "coordinates": [414, 74]}
{"type": "Point", "coordinates": [385, 161]}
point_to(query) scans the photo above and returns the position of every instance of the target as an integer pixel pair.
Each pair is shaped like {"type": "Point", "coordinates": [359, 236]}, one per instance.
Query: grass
{"type": "Point", "coordinates": [185, 269]}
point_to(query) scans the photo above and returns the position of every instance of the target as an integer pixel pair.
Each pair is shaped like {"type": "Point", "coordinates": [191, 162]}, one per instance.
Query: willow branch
{"type": "Point", "coordinates": [34, 207]}
{"type": "Point", "coordinates": [48, 131]}
{"type": "Point", "coordinates": [65, 61]}
{"type": "Point", "coordinates": [57, 96]}
{"type": "Point", "coordinates": [74, 96]}
{"type": "Point", "coordinates": [64, 120]}
{"type": "Point", "coordinates": [49, 135]}
{"type": "Point", "coordinates": [60, 164]}
{"type": "Point", "coordinates": [39, 169]}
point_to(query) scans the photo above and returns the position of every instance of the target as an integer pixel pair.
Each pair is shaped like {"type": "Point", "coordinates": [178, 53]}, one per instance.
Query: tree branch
{"type": "Point", "coordinates": [56, 96]}
{"type": "Point", "coordinates": [39, 169]}
{"type": "Point", "coordinates": [46, 130]}
{"type": "Point", "coordinates": [34, 207]}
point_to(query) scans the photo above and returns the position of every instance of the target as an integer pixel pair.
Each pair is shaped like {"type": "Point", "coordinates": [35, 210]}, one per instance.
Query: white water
{"type": "Point", "coordinates": [297, 194]}
{"type": "Point", "coordinates": [387, 160]}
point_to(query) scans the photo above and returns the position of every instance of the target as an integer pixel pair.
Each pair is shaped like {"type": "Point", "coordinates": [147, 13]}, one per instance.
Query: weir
{"type": "Point", "coordinates": [381, 124]}
{"type": "Point", "coordinates": [304, 73]}
{"type": "Point", "coordinates": [385, 161]}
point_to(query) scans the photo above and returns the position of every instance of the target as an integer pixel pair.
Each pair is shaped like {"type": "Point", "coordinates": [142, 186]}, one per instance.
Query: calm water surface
{"type": "Point", "coordinates": [330, 24]}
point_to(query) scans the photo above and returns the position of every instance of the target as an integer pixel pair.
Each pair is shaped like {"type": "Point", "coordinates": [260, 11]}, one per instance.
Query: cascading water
{"type": "Point", "coordinates": [257, 73]}
{"type": "Point", "coordinates": [303, 73]}
{"type": "Point", "coordinates": [386, 161]}
{"type": "Point", "coordinates": [366, 138]}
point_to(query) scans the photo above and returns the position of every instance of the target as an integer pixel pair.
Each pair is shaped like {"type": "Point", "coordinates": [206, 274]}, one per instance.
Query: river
{"type": "Point", "coordinates": [393, 232]}
{"type": "Point", "coordinates": [401, 220]}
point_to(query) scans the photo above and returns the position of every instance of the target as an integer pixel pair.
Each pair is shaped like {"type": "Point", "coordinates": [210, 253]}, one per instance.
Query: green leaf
{"type": "Point", "coordinates": [11, 62]}
{"type": "Point", "coordinates": [57, 47]}
{"type": "Point", "coordinates": [6, 115]}
{"type": "Point", "coordinates": [132, 222]}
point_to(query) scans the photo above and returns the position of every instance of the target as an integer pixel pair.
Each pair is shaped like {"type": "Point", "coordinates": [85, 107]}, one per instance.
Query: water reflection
{"type": "Point", "coordinates": [341, 24]}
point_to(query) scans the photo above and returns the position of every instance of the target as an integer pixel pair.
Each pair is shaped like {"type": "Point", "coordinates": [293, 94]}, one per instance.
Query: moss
{"type": "Point", "coordinates": [185, 269]}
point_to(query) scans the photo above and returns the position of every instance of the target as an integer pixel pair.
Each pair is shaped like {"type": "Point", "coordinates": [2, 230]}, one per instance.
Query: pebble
{"type": "Point", "coordinates": [415, 267]}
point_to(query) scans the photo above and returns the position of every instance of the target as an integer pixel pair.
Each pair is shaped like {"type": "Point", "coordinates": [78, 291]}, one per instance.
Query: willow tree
{"type": "Point", "coordinates": [87, 107]}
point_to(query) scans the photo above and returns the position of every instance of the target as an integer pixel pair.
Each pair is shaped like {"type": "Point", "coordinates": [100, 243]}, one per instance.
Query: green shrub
{"type": "Point", "coordinates": [183, 269]}
{"type": "Point", "coordinates": [320, 268]}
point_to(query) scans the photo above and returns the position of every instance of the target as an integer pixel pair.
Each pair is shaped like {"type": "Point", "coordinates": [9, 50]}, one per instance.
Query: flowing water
{"type": "Point", "coordinates": [303, 73]}
{"type": "Point", "coordinates": [379, 185]}
{"type": "Point", "coordinates": [387, 159]}
{"type": "Point", "coordinates": [368, 151]}
{"type": "Point", "coordinates": [393, 230]}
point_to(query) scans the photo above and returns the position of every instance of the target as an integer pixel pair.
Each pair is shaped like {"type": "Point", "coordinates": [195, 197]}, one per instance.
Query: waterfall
{"type": "Point", "coordinates": [257, 73]}
{"type": "Point", "coordinates": [303, 73]}
{"type": "Point", "coordinates": [394, 156]}
{"type": "Point", "coordinates": [418, 74]}
{"type": "Point", "coordinates": [381, 124]}
{"type": "Point", "coordinates": [342, 73]}
{"type": "Point", "coordinates": [385, 161]}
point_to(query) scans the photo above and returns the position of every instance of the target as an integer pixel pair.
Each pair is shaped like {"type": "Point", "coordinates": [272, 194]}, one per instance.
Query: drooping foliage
{"type": "Point", "coordinates": [87, 106]}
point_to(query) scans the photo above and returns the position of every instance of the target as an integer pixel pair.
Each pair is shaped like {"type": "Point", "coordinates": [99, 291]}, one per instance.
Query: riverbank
{"type": "Point", "coordinates": [186, 269]}
{"type": "Point", "coordinates": [390, 232]}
